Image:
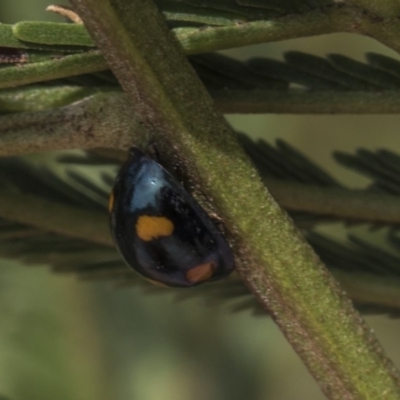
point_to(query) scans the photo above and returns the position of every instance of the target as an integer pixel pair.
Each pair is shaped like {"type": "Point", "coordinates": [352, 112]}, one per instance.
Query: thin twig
{"type": "Point", "coordinates": [102, 120]}
{"type": "Point", "coordinates": [54, 217]}
{"type": "Point", "coordinates": [370, 289]}
{"type": "Point", "coordinates": [344, 204]}
{"type": "Point", "coordinates": [257, 101]}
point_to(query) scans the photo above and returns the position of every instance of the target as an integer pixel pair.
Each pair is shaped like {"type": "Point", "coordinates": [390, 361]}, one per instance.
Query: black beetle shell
{"type": "Point", "coordinates": [161, 231]}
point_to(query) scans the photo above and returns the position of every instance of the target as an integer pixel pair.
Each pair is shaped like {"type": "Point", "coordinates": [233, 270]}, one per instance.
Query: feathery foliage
{"type": "Point", "coordinates": [57, 93]}
{"type": "Point", "coordinates": [34, 245]}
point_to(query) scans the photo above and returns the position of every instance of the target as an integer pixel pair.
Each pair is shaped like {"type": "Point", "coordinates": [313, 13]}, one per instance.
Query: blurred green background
{"type": "Point", "coordinates": [69, 340]}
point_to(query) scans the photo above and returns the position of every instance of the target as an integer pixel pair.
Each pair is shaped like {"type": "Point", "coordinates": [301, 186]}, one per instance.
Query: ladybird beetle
{"type": "Point", "coordinates": [161, 231]}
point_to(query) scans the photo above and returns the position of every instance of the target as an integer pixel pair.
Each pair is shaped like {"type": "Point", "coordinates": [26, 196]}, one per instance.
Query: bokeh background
{"type": "Point", "coordinates": [64, 339]}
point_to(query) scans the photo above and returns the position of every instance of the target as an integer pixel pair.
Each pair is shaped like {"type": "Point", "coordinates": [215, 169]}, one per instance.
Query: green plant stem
{"type": "Point", "coordinates": [45, 33]}
{"type": "Point", "coordinates": [228, 101]}
{"type": "Point", "coordinates": [64, 66]}
{"type": "Point", "coordinates": [38, 98]}
{"type": "Point", "coordinates": [101, 120]}
{"type": "Point", "coordinates": [195, 41]}
{"type": "Point", "coordinates": [306, 102]}
{"type": "Point", "coordinates": [340, 203]}
{"type": "Point", "coordinates": [337, 18]}
{"type": "Point", "coordinates": [332, 19]}
{"type": "Point", "coordinates": [55, 217]}
{"type": "Point", "coordinates": [384, 31]}
{"type": "Point", "coordinates": [272, 258]}
{"type": "Point", "coordinates": [379, 8]}
{"type": "Point", "coordinates": [370, 289]}
{"type": "Point", "coordinates": [8, 39]}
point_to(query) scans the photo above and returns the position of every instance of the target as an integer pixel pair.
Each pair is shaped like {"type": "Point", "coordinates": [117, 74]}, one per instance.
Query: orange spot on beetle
{"type": "Point", "coordinates": [149, 227]}
{"type": "Point", "coordinates": [201, 272]}
{"type": "Point", "coordinates": [111, 202]}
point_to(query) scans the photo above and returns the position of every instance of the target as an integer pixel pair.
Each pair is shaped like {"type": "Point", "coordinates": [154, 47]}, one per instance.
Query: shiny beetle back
{"type": "Point", "coordinates": [161, 231]}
